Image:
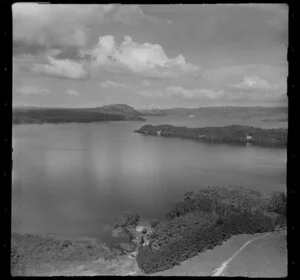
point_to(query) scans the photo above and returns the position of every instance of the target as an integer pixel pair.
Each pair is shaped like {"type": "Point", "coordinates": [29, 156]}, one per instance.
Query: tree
{"type": "Point", "coordinates": [189, 195]}
{"type": "Point", "coordinates": [128, 219]}
{"type": "Point", "coordinates": [154, 223]}
{"type": "Point", "coordinates": [277, 203]}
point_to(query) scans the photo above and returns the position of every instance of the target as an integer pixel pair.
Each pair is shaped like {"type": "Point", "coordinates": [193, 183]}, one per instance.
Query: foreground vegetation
{"type": "Point", "coordinates": [227, 134]}
{"type": "Point", "coordinates": [206, 219]}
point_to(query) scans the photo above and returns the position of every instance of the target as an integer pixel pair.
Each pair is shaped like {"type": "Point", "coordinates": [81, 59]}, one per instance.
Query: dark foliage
{"type": "Point", "coordinates": [227, 134]}
{"type": "Point", "coordinates": [200, 239]}
{"type": "Point", "coordinates": [61, 116]}
{"type": "Point", "coordinates": [154, 223]}
{"type": "Point", "coordinates": [38, 115]}
{"type": "Point", "coordinates": [277, 203]}
{"type": "Point", "coordinates": [128, 219]}
{"type": "Point", "coordinates": [206, 219]}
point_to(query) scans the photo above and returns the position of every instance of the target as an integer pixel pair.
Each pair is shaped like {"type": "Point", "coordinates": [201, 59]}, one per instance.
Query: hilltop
{"type": "Point", "coordinates": [120, 109]}
{"type": "Point", "coordinates": [118, 112]}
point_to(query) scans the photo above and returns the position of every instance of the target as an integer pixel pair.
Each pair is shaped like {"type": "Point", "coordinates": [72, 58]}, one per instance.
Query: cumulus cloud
{"type": "Point", "coordinates": [61, 68]}
{"type": "Point", "coordinates": [112, 84]}
{"type": "Point", "coordinates": [139, 58]}
{"type": "Point", "coordinates": [143, 59]}
{"type": "Point", "coordinates": [254, 83]}
{"type": "Point", "coordinates": [32, 90]}
{"type": "Point", "coordinates": [73, 92]}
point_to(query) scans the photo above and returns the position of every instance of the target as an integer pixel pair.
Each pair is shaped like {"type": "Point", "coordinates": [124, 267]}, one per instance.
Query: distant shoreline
{"type": "Point", "coordinates": [115, 112]}
{"type": "Point", "coordinates": [232, 134]}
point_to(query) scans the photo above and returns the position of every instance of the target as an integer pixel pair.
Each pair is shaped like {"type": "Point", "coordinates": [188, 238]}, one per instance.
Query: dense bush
{"type": "Point", "coordinates": [128, 219]}
{"type": "Point", "coordinates": [277, 203]}
{"type": "Point", "coordinates": [200, 239]}
{"type": "Point", "coordinates": [204, 220]}
{"type": "Point", "coordinates": [154, 223]}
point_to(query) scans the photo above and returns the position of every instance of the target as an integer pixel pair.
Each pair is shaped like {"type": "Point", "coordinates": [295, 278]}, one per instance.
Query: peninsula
{"type": "Point", "coordinates": [235, 134]}
{"type": "Point", "coordinates": [38, 115]}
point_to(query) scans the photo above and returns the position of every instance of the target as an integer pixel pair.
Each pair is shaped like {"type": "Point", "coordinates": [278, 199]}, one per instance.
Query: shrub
{"type": "Point", "coordinates": [128, 219]}
{"type": "Point", "coordinates": [154, 223]}
{"type": "Point", "coordinates": [204, 221]}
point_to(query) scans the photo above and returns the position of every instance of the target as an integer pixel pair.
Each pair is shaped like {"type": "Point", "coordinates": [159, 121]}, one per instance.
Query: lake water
{"type": "Point", "coordinates": [73, 180]}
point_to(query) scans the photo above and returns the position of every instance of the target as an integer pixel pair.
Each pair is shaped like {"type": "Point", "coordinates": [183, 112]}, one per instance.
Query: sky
{"type": "Point", "coordinates": [150, 56]}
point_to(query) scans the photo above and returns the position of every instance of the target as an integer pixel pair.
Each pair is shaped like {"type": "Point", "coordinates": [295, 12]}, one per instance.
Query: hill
{"type": "Point", "coordinates": [119, 112]}
{"type": "Point", "coordinates": [230, 112]}
{"type": "Point", "coordinates": [236, 134]}
{"type": "Point", "coordinates": [120, 109]}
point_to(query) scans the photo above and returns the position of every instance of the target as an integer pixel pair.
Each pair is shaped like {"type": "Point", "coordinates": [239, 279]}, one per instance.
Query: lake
{"type": "Point", "coordinates": [73, 180]}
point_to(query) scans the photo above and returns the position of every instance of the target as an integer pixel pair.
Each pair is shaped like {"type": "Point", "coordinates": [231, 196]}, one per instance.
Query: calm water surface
{"type": "Point", "coordinates": [73, 180]}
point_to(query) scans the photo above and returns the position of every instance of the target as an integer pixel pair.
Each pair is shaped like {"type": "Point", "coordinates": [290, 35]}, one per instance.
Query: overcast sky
{"type": "Point", "coordinates": [150, 55]}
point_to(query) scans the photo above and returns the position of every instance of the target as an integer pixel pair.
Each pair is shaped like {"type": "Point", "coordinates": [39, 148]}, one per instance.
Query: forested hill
{"type": "Point", "coordinates": [225, 134]}
{"type": "Point", "coordinates": [120, 109]}
{"type": "Point", "coordinates": [228, 112]}
{"type": "Point", "coordinates": [74, 115]}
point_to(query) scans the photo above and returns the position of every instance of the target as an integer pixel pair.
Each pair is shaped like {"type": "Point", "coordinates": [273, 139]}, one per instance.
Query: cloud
{"type": "Point", "coordinates": [254, 83]}
{"type": "Point", "coordinates": [61, 68]}
{"type": "Point", "coordinates": [254, 88]}
{"type": "Point", "coordinates": [32, 90]}
{"type": "Point", "coordinates": [131, 14]}
{"type": "Point", "coordinates": [73, 92]}
{"type": "Point", "coordinates": [112, 84]}
{"type": "Point", "coordinates": [183, 93]}
{"type": "Point", "coordinates": [229, 76]}
{"type": "Point", "coordinates": [48, 24]}
{"type": "Point", "coordinates": [139, 58]}
{"type": "Point", "coordinates": [128, 57]}
{"type": "Point", "coordinates": [278, 12]}
{"type": "Point", "coordinates": [145, 83]}
{"type": "Point", "coordinates": [226, 95]}
{"type": "Point", "coordinates": [69, 25]}
{"type": "Point", "coordinates": [241, 70]}
{"type": "Point", "coordinates": [194, 93]}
